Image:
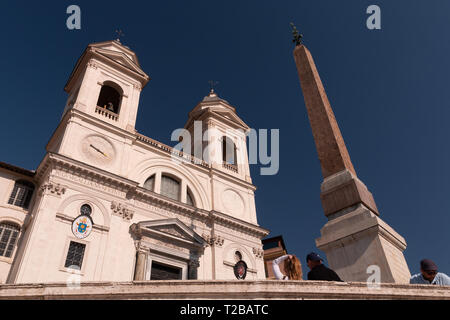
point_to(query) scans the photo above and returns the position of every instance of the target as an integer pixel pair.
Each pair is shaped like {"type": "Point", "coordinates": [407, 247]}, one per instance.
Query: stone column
{"type": "Point", "coordinates": [354, 238]}
{"type": "Point", "coordinates": [141, 263]}
{"type": "Point", "coordinates": [194, 264]}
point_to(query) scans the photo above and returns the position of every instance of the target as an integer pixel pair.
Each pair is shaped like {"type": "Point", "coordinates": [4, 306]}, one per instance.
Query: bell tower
{"type": "Point", "coordinates": [106, 83]}
{"type": "Point", "coordinates": [222, 141]}
{"type": "Point", "coordinates": [100, 113]}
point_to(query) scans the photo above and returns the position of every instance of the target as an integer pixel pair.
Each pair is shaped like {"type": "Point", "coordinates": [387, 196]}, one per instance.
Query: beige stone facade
{"type": "Point", "coordinates": [97, 158]}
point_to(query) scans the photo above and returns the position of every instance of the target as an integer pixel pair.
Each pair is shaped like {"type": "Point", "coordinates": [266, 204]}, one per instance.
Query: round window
{"type": "Point", "coordinates": [237, 256]}
{"type": "Point", "coordinates": [86, 210]}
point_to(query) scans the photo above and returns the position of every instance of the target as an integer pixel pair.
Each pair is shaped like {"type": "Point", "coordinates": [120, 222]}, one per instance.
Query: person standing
{"type": "Point", "coordinates": [318, 270]}
{"type": "Point", "coordinates": [292, 268]}
{"type": "Point", "coordinates": [429, 275]}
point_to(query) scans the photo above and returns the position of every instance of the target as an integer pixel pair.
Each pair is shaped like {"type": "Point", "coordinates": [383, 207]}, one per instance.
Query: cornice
{"type": "Point", "coordinates": [204, 114]}
{"type": "Point", "coordinates": [168, 151]}
{"type": "Point", "coordinates": [209, 217]}
{"type": "Point", "coordinates": [21, 171]}
{"type": "Point", "coordinates": [91, 52]}
{"type": "Point", "coordinates": [234, 179]}
{"type": "Point", "coordinates": [395, 241]}
{"type": "Point", "coordinates": [70, 219]}
{"type": "Point", "coordinates": [131, 190]}
{"type": "Point", "coordinates": [145, 195]}
{"type": "Point", "coordinates": [102, 124]}
{"type": "Point", "coordinates": [239, 224]}
{"type": "Point", "coordinates": [82, 169]}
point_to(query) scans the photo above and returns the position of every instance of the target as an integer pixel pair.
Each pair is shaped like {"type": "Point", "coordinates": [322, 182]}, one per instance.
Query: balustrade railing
{"type": "Point", "coordinates": [106, 113]}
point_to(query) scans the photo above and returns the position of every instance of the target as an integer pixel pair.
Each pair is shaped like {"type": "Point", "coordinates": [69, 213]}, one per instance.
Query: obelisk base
{"type": "Point", "coordinates": [359, 239]}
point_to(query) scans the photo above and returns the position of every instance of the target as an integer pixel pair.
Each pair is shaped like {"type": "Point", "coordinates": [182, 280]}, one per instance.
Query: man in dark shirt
{"type": "Point", "coordinates": [318, 269]}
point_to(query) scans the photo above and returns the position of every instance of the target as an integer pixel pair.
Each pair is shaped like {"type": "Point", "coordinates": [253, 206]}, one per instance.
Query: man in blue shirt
{"type": "Point", "coordinates": [429, 275]}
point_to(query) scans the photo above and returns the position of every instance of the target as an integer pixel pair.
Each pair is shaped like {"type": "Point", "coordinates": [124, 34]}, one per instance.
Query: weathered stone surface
{"type": "Point", "coordinates": [360, 239]}
{"type": "Point", "coordinates": [343, 190]}
{"type": "Point", "coordinates": [223, 290]}
{"type": "Point", "coordinates": [333, 154]}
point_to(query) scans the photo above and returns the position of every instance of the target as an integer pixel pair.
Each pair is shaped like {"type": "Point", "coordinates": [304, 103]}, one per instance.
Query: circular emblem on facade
{"type": "Point", "coordinates": [240, 270]}
{"type": "Point", "coordinates": [233, 203]}
{"type": "Point", "coordinates": [82, 227]}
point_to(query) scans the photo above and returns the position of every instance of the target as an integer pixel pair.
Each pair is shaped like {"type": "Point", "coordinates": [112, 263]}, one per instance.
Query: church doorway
{"type": "Point", "coordinates": [160, 271]}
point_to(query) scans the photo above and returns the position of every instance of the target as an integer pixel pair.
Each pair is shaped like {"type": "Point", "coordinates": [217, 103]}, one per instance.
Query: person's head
{"type": "Point", "coordinates": [428, 269]}
{"type": "Point", "coordinates": [293, 268]}
{"type": "Point", "coordinates": [313, 260]}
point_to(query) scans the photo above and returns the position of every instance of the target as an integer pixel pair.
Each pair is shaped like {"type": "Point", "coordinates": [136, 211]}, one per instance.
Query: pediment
{"type": "Point", "coordinates": [230, 116]}
{"type": "Point", "coordinates": [172, 229]}
{"type": "Point", "coordinates": [120, 58]}
{"type": "Point", "coordinates": [221, 113]}
{"type": "Point", "coordinates": [110, 51]}
{"type": "Point", "coordinates": [116, 46]}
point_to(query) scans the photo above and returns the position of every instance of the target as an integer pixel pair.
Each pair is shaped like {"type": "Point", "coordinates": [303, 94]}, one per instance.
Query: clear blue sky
{"type": "Point", "coordinates": [388, 88]}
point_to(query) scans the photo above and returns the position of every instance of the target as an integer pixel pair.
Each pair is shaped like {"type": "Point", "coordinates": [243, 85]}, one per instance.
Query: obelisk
{"type": "Point", "coordinates": [354, 238]}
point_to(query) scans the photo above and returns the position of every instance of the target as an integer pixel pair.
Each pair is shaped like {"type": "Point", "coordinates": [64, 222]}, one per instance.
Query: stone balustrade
{"type": "Point", "coordinates": [171, 150]}
{"type": "Point", "coordinates": [106, 113]}
{"type": "Point", "coordinates": [230, 167]}
{"type": "Point", "coordinates": [225, 290]}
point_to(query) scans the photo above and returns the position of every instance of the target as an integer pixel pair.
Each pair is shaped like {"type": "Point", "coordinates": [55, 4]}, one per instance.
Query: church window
{"type": "Point", "coordinates": [237, 256]}
{"type": "Point", "coordinates": [75, 256]}
{"type": "Point", "coordinates": [229, 151]}
{"type": "Point", "coordinates": [21, 194]}
{"type": "Point", "coordinates": [86, 210]}
{"type": "Point", "coordinates": [9, 234]}
{"type": "Point", "coordinates": [170, 188]}
{"type": "Point", "coordinates": [150, 183]}
{"type": "Point", "coordinates": [110, 98]}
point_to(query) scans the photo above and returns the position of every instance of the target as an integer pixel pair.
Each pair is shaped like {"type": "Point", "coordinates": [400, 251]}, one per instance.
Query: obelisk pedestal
{"type": "Point", "coordinates": [355, 238]}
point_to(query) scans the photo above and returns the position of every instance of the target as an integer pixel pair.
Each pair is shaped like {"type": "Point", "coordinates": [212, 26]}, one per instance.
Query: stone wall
{"type": "Point", "coordinates": [224, 290]}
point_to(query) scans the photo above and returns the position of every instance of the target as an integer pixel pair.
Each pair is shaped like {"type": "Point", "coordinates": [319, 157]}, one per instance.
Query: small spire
{"type": "Point", "coordinates": [213, 84]}
{"type": "Point", "coordinates": [119, 34]}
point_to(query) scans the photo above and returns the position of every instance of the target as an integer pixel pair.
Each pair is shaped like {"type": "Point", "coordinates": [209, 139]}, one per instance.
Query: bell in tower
{"type": "Point", "coordinates": [110, 98]}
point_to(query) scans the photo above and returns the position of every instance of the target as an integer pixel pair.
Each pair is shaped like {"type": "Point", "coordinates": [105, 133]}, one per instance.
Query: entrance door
{"type": "Point", "coordinates": [165, 272]}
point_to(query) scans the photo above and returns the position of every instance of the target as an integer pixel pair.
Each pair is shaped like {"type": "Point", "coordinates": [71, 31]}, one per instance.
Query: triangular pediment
{"type": "Point", "coordinates": [173, 229]}
{"type": "Point", "coordinates": [111, 52]}
{"type": "Point", "coordinates": [119, 54]}
{"type": "Point", "coordinates": [230, 116]}
{"type": "Point", "coordinates": [219, 112]}
{"type": "Point", "coordinates": [116, 46]}
{"type": "Point", "coordinates": [214, 106]}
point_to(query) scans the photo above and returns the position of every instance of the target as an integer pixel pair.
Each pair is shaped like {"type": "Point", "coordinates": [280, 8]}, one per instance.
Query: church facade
{"type": "Point", "coordinates": [113, 204]}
